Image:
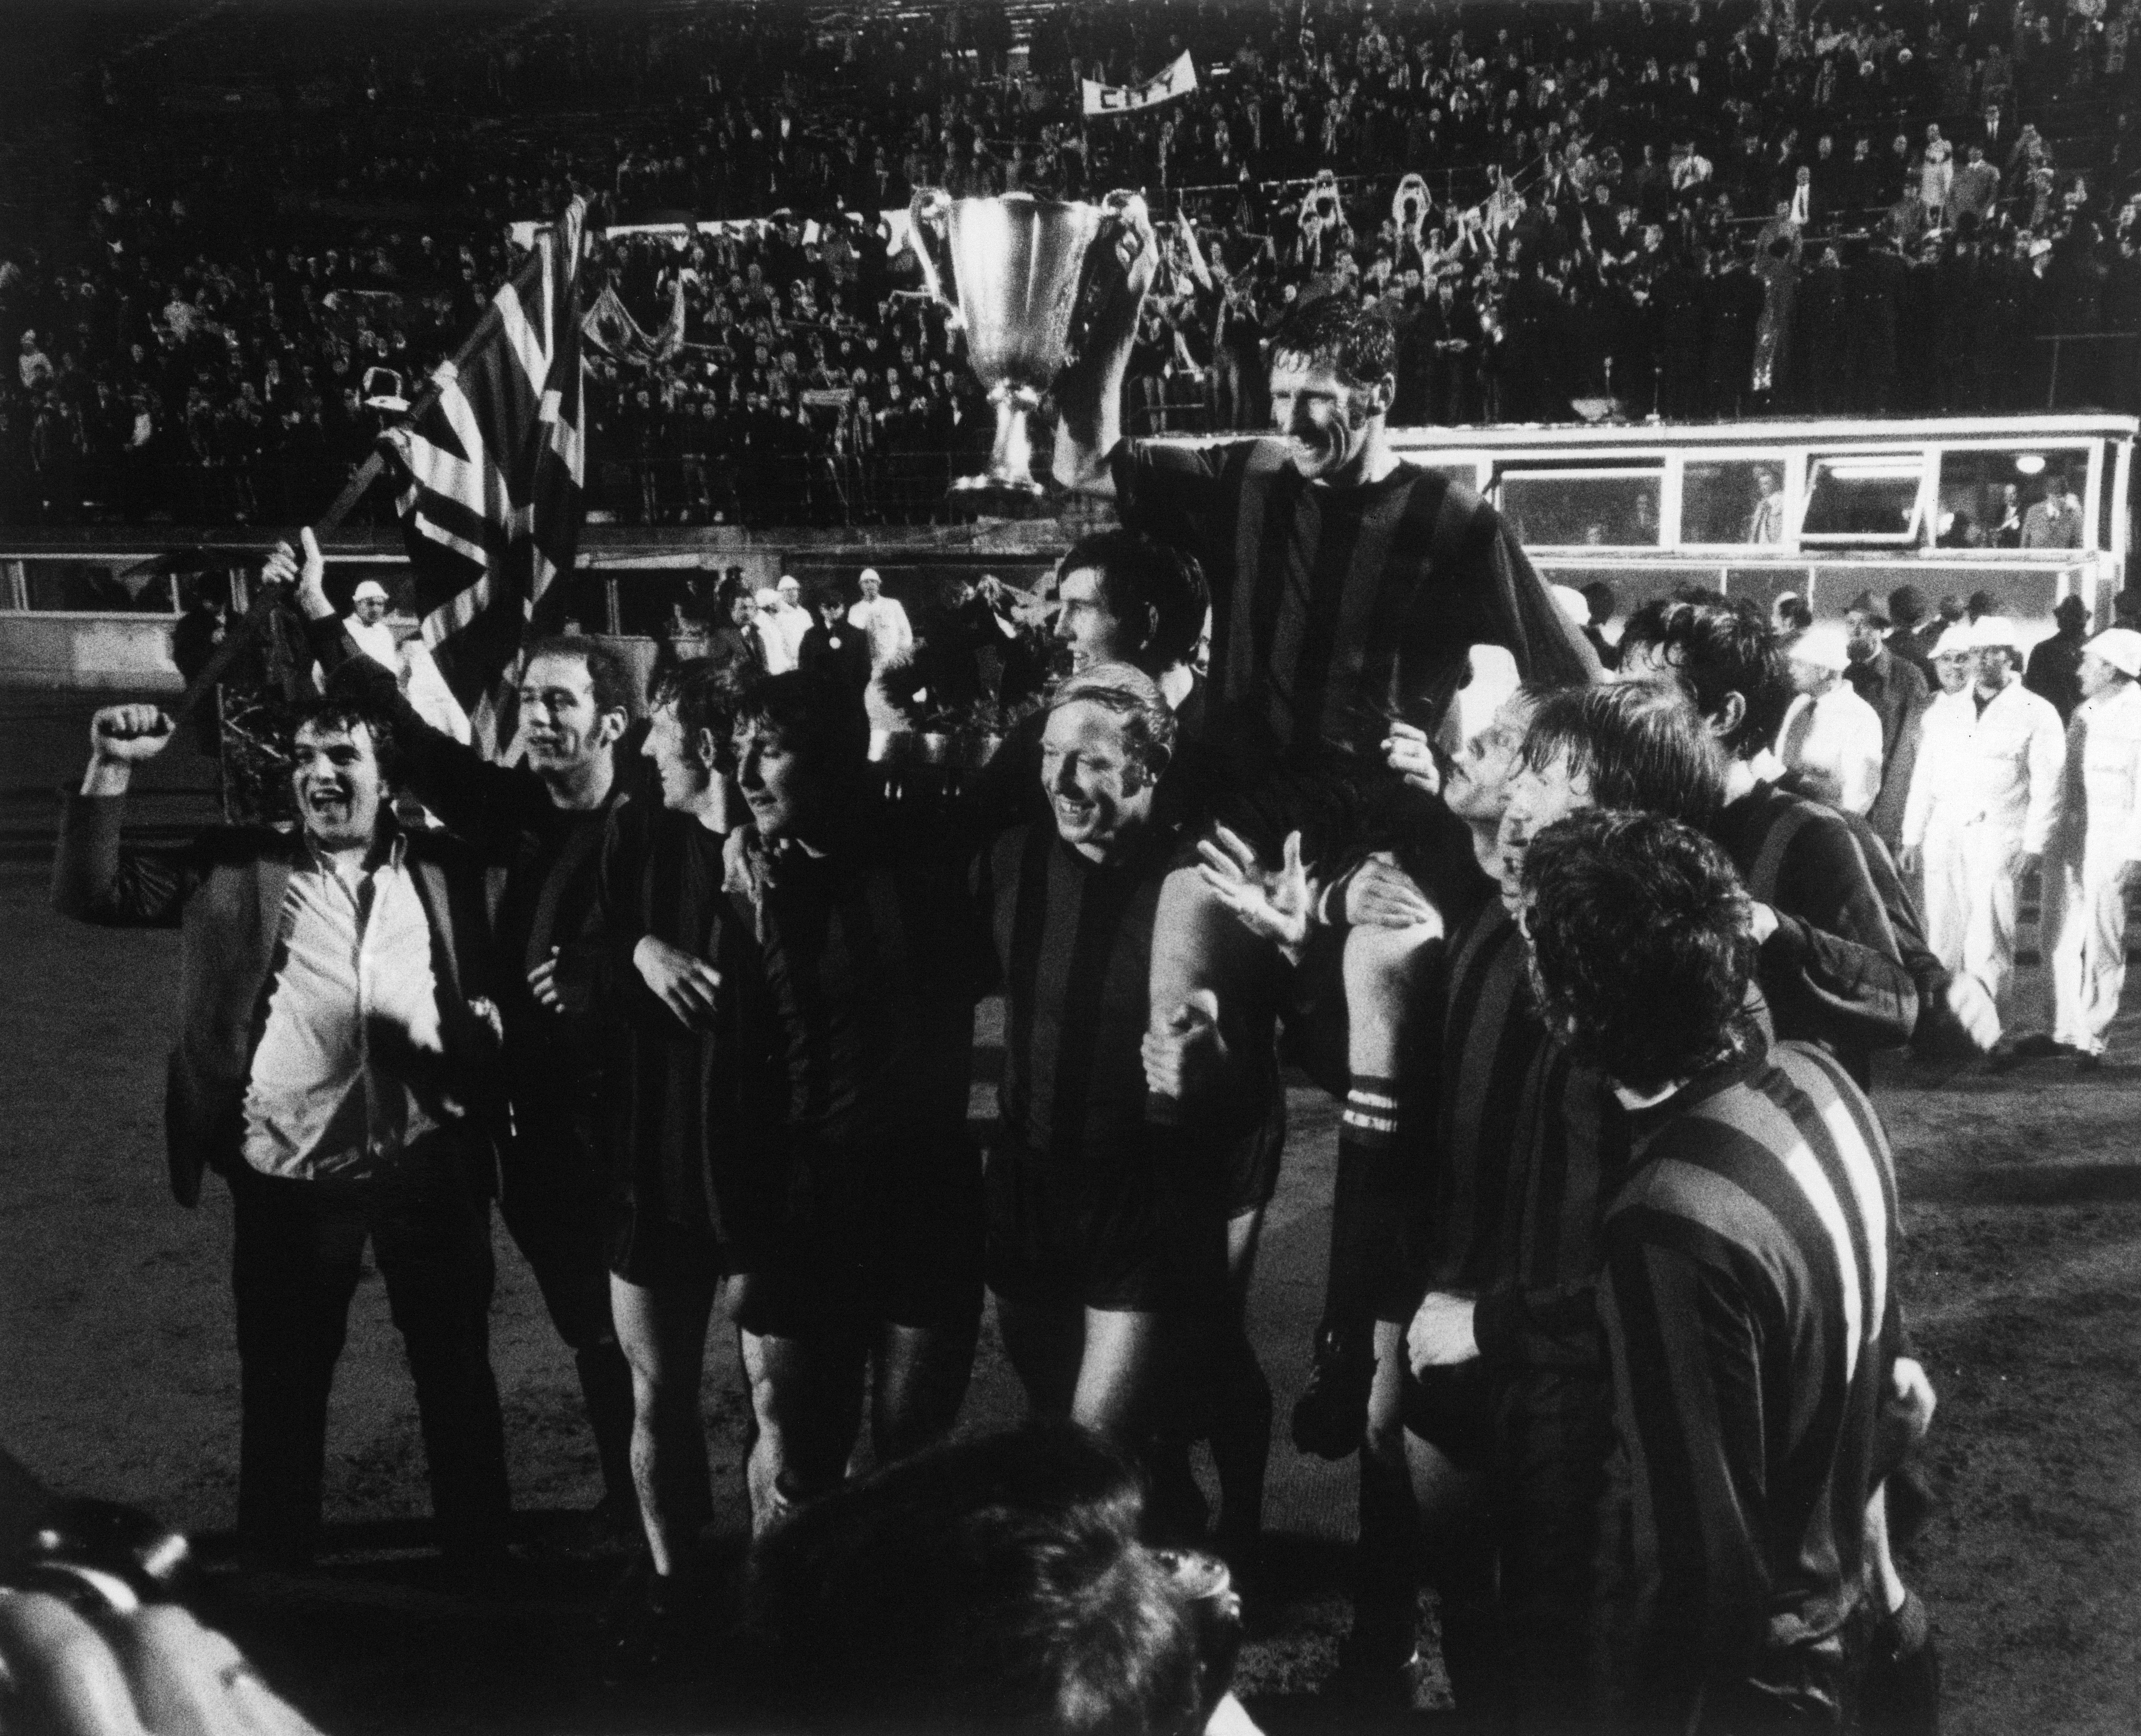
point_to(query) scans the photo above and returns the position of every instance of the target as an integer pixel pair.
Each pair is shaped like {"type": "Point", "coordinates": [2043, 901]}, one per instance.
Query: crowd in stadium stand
{"type": "Point", "coordinates": [1697, 211]}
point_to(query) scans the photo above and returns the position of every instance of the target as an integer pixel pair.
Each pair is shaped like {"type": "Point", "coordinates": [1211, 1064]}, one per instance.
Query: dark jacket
{"type": "Point", "coordinates": [223, 893]}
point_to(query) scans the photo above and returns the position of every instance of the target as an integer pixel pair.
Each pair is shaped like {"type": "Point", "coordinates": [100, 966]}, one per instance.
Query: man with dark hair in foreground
{"type": "Point", "coordinates": [1747, 1295]}
{"type": "Point", "coordinates": [693, 1110]}
{"type": "Point", "coordinates": [872, 962]}
{"type": "Point", "coordinates": [1830, 963]}
{"type": "Point", "coordinates": [335, 1064]}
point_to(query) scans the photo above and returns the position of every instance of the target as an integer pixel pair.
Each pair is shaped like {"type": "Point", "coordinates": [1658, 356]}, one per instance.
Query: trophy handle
{"type": "Point", "coordinates": [929, 220]}
{"type": "Point", "coordinates": [1124, 240]}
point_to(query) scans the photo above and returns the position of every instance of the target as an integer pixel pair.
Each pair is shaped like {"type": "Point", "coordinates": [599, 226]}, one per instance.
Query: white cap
{"type": "Point", "coordinates": [368, 588]}
{"type": "Point", "coordinates": [1955, 642]}
{"type": "Point", "coordinates": [2120, 647]}
{"type": "Point", "coordinates": [788, 579]}
{"type": "Point", "coordinates": [1993, 631]}
{"type": "Point", "coordinates": [1572, 604]}
{"type": "Point", "coordinates": [869, 573]}
{"type": "Point", "coordinates": [1823, 645]}
{"type": "Point", "coordinates": [766, 597]}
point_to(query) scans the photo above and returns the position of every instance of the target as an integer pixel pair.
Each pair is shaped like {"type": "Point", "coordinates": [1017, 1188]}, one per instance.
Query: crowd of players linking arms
{"type": "Point", "coordinates": [1610, 1317]}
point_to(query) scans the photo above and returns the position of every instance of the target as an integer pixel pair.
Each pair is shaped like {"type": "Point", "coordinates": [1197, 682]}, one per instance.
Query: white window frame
{"type": "Point", "coordinates": [1563, 471]}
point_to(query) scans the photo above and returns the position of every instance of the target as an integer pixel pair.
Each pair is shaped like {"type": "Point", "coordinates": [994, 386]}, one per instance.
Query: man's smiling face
{"type": "Point", "coordinates": [338, 783]}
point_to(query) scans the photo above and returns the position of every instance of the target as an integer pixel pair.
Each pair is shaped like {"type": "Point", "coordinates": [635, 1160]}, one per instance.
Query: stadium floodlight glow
{"type": "Point", "coordinates": [2030, 463]}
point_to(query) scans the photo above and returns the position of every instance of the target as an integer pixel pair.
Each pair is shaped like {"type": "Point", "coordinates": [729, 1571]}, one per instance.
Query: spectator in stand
{"type": "Point", "coordinates": [2055, 522]}
{"type": "Point", "coordinates": [1977, 188]}
{"type": "Point", "coordinates": [247, 344]}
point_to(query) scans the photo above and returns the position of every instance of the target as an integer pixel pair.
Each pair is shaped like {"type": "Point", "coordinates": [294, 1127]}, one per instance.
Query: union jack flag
{"type": "Point", "coordinates": [490, 472]}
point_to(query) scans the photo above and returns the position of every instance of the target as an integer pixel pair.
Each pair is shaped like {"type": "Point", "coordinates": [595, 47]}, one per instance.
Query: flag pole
{"type": "Point", "coordinates": [269, 598]}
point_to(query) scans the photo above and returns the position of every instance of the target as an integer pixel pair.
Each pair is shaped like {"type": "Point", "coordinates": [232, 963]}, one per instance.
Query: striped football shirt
{"type": "Point", "coordinates": [1747, 1301]}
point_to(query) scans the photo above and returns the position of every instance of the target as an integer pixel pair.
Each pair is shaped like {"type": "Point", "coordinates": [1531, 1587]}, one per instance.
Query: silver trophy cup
{"type": "Point", "coordinates": [1015, 273]}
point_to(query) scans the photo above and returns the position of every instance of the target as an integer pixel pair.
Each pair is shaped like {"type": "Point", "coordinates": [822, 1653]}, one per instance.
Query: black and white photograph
{"type": "Point", "coordinates": [1094, 868]}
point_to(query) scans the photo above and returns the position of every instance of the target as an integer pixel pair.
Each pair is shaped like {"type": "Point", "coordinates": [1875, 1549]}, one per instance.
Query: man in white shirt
{"type": "Point", "coordinates": [2090, 865]}
{"type": "Point", "coordinates": [1830, 736]}
{"type": "Point", "coordinates": [792, 619]}
{"type": "Point", "coordinates": [366, 626]}
{"type": "Point", "coordinates": [882, 621]}
{"type": "Point", "coordinates": [1933, 833]}
{"type": "Point", "coordinates": [335, 1063]}
{"type": "Point", "coordinates": [773, 646]}
{"type": "Point", "coordinates": [1995, 759]}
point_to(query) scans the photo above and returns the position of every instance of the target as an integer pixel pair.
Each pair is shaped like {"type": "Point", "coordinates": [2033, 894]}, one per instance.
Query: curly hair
{"type": "Point", "coordinates": [1359, 344]}
{"type": "Point", "coordinates": [1639, 745]}
{"type": "Point", "coordinates": [994, 1584]}
{"type": "Point", "coordinates": [1641, 945]}
{"type": "Point", "coordinates": [1717, 648]}
{"type": "Point", "coordinates": [706, 696]}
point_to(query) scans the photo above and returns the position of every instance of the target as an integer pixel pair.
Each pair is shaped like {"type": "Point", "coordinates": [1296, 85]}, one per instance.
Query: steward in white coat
{"type": "Point", "coordinates": [1933, 830]}
{"type": "Point", "coordinates": [2091, 862]}
{"type": "Point", "coordinates": [1993, 759]}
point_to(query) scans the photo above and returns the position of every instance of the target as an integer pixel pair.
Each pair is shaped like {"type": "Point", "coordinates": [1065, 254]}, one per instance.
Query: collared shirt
{"type": "Point", "coordinates": [1999, 762]}
{"type": "Point", "coordinates": [354, 1009]}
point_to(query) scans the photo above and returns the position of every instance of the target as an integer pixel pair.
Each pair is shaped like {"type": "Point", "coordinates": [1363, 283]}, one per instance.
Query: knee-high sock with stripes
{"type": "Point", "coordinates": [1365, 1205]}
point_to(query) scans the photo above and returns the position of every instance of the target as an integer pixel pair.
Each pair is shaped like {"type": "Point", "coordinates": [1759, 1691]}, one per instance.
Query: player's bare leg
{"type": "Point", "coordinates": [806, 1400]}
{"type": "Point", "coordinates": [663, 1333]}
{"type": "Point", "coordinates": [921, 1375]}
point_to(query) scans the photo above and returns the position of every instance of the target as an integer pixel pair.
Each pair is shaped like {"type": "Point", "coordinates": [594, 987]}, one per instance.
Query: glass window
{"type": "Point", "coordinates": [1582, 509]}
{"type": "Point", "coordinates": [643, 601]}
{"type": "Point", "coordinates": [1733, 500]}
{"type": "Point", "coordinates": [586, 600]}
{"type": "Point", "coordinates": [1871, 497]}
{"type": "Point", "coordinates": [1985, 497]}
{"type": "Point", "coordinates": [87, 586]}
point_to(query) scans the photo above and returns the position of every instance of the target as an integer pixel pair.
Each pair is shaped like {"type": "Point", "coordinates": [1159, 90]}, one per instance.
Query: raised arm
{"type": "Point", "coordinates": [95, 877]}
{"type": "Point", "coordinates": [1089, 393]}
{"type": "Point", "coordinates": [486, 805]}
